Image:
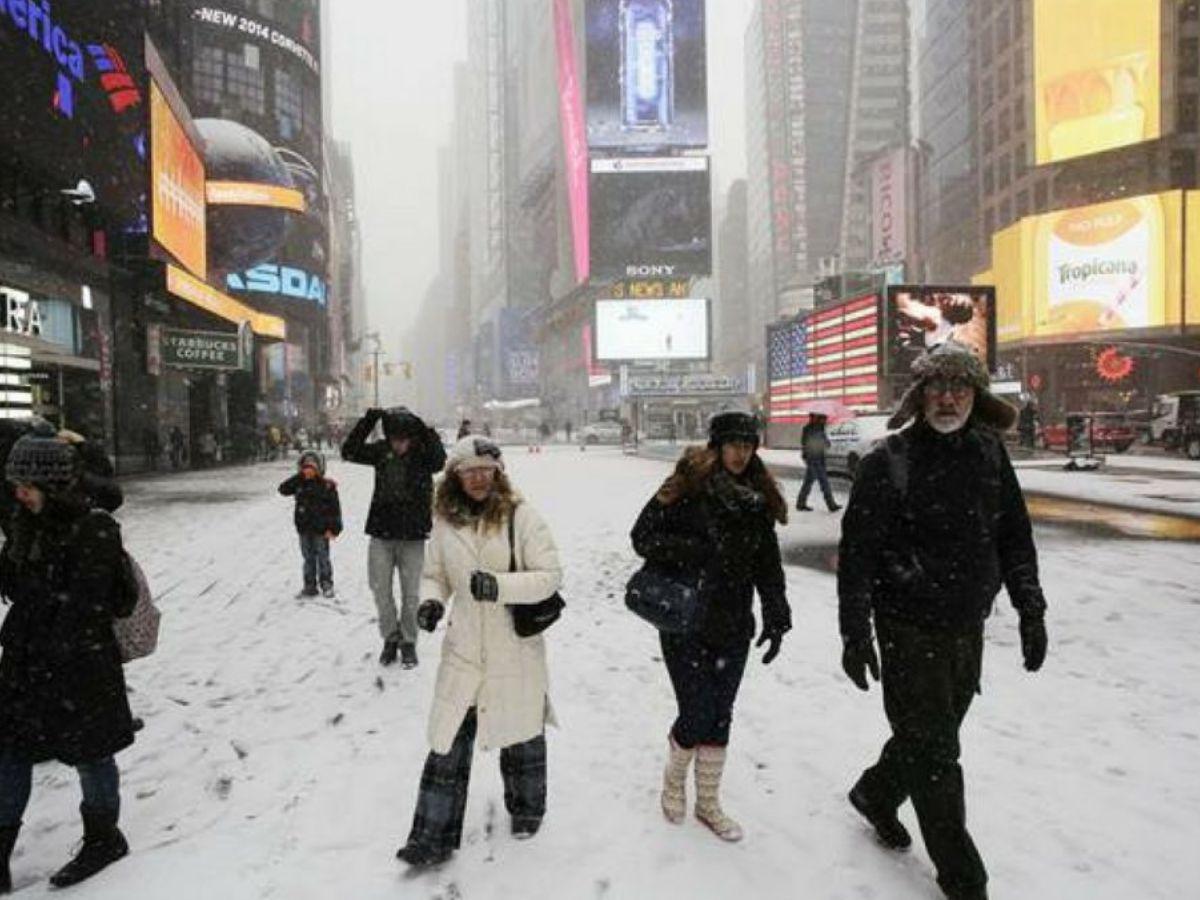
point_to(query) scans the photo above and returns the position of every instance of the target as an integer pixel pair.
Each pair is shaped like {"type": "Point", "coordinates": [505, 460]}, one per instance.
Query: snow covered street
{"type": "Point", "coordinates": [279, 760]}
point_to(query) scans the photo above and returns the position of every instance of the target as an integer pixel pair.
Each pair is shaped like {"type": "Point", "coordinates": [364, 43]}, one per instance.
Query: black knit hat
{"type": "Point", "coordinates": [43, 461]}
{"type": "Point", "coordinates": [401, 422]}
{"type": "Point", "coordinates": [732, 426]}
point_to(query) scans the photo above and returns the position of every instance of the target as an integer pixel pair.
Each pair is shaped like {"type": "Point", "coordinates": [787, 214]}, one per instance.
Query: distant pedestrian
{"type": "Point", "coordinates": [400, 519]}
{"type": "Point", "coordinates": [464, 428]}
{"type": "Point", "coordinates": [712, 524]}
{"type": "Point", "coordinates": [814, 442]}
{"type": "Point", "coordinates": [318, 520]}
{"type": "Point", "coordinates": [1027, 424]}
{"type": "Point", "coordinates": [567, 428]}
{"type": "Point", "coordinates": [178, 448]}
{"type": "Point", "coordinates": [489, 553]}
{"type": "Point", "coordinates": [62, 688]}
{"type": "Point", "coordinates": [936, 524]}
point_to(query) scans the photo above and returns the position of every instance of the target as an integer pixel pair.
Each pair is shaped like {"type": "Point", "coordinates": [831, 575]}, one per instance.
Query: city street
{"type": "Point", "coordinates": [280, 760]}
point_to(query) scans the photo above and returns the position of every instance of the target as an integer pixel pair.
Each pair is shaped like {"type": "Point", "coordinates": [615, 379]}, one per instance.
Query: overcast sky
{"type": "Point", "coordinates": [393, 75]}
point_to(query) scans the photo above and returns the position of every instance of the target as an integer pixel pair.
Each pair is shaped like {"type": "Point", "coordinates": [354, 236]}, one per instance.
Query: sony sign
{"type": "Point", "coordinates": [22, 315]}
{"type": "Point", "coordinates": [650, 271]}
{"type": "Point", "coordinates": [280, 281]}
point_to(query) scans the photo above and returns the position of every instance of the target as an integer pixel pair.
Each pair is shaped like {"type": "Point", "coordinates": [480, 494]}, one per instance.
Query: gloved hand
{"type": "Point", "coordinates": [429, 613]}
{"type": "Point", "coordinates": [1033, 641]}
{"type": "Point", "coordinates": [857, 658]}
{"type": "Point", "coordinates": [772, 635]}
{"type": "Point", "coordinates": [484, 587]}
{"type": "Point", "coordinates": [374, 414]}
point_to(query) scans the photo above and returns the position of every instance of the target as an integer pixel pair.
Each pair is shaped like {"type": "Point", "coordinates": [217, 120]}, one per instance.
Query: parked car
{"type": "Point", "coordinates": [1110, 431]}
{"type": "Point", "coordinates": [853, 439]}
{"type": "Point", "coordinates": [1175, 418]}
{"type": "Point", "coordinates": [601, 433]}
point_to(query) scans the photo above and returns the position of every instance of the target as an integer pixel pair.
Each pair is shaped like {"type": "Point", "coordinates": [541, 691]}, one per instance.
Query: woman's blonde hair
{"type": "Point", "coordinates": [452, 503]}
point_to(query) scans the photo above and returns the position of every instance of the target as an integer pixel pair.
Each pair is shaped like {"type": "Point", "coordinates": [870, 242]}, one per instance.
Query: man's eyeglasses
{"type": "Point", "coordinates": [958, 387]}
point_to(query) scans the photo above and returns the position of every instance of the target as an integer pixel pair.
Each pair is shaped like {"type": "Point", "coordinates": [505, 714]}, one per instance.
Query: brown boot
{"type": "Point", "coordinates": [674, 792]}
{"type": "Point", "coordinates": [710, 766]}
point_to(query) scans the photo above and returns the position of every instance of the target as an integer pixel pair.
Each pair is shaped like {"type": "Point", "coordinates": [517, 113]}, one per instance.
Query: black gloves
{"type": "Point", "coordinates": [429, 613]}
{"type": "Point", "coordinates": [772, 635]}
{"type": "Point", "coordinates": [858, 656]}
{"type": "Point", "coordinates": [484, 587]}
{"type": "Point", "coordinates": [1033, 642]}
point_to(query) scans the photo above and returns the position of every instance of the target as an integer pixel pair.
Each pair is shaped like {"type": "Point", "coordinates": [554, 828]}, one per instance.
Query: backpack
{"type": "Point", "coordinates": [137, 631]}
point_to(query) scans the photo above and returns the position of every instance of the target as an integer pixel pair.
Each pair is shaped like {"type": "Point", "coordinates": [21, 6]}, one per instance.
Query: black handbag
{"type": "Point", "coordinates": [668, 602]}
{"type": "Point", "coordinates": [531, 618]}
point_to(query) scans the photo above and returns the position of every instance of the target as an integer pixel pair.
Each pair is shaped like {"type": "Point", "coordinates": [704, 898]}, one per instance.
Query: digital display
{"type": "Point", "coordinates": [920, 318]}
{"type": "Point", "coordinates": [178, 201]}
{"type": "Point", "coordinates": [629, 330]}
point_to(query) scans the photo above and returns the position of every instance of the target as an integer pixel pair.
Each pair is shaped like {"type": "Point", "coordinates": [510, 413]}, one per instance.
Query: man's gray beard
{"type": "Point", "coordinates": [948, 426]}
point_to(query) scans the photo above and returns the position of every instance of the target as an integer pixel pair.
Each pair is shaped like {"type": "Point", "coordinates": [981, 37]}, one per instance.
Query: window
{"type": "Point", "coordinates": [1005, 213]}
{"type": "Point", "coordinates": [989, 137]}
{"type": "Point", "coordinates": [1018, 111]}
{"type": "Point", "coordinates": [1022, 204]}
{"type": "Point", "coordinates": [289, 108]}
{"type": "Point", "coordinates": [1003, 171]}
{"type": "Point", "coordinates": [1020, 160]}
{"type": "Point", "coordinates": [208, 73]}
{"type": "Point", "coordinates": [1188, 110]}
{"type": "Point", "coordinates": [244, 79]}
{"type": "Point", "coordinates": [1041, 195]}
{"type": "Point", "coordinates": [987, 92]}
{"type": "Point", "coordinates": [989, 180]}
{"type": "Point", "coordinates": [1003, 126]}
{"type": "Point", "coordinates": [1189, 55]}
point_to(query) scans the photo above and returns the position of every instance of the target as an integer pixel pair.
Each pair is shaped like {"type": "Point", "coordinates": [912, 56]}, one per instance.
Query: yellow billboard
{"type": "Point", "coordinates": [1192, 288]}
{"type": "Point", "coordinates": [1097, 75]}
{"type": "Point", "coordinates": [177, 199]}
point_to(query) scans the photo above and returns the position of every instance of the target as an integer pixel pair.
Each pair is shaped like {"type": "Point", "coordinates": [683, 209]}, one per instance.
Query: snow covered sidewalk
{"type": "Point", "coordinates": [280, 761]}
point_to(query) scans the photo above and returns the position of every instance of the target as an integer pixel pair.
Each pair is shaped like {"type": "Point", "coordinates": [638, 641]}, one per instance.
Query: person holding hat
{"type": "Point", "coordinates": [936, 524]}
{"type": "Point", "coordinates": [62, 689]}
{"type": "Point", "coordinates": [490, 551]}
{"type": "Point", "coordinates": [400, 519]}
{"type": "Point", "coordinates": [318, 520]}
{"type": "Point", "coordinates": [713, 523]}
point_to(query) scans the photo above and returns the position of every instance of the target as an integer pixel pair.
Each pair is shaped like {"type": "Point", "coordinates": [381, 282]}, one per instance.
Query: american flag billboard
{"type": "Point", "coordinates": [831, 353]}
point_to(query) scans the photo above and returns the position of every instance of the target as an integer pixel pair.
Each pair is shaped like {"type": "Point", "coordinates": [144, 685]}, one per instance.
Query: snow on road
{"type": "Point", "coordinates": [279, 760]}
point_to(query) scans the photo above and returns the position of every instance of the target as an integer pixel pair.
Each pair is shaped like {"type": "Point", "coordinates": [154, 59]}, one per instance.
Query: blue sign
{"type": "Point", "coordinates": [280, 281]}
{"type": "Point", "coordinates": [34, 18]}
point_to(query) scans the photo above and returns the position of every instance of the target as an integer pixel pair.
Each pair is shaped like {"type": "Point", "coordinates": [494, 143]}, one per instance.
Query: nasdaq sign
{"type": "Point", "coordinates": [280, 281]}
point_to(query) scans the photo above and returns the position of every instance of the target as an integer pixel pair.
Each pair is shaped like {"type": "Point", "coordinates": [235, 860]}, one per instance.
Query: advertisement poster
{"type": "Point", "coordinates": [651, 218]}
{"type": "Point", "coordinates": [1097, 76]}
{"type": "Point", "coordinates": [1108, 267]}
{"type": "Point", "coordinates": [922, 317]}
{"type": "Point", "coordinates": [177, 188]}
{"type": "Point", "coordinates": [647, 80]}
{"type": "Point", "coordinates": [633, 330]}
{"type": "Point", "coordinates": [574, 136]}
{"type": "Point", "coordinates": [889, 208]}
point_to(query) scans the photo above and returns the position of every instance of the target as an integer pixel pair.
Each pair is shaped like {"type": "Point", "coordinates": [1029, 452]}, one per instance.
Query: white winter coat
{"type": "Point", "coordinates": [484, 664]}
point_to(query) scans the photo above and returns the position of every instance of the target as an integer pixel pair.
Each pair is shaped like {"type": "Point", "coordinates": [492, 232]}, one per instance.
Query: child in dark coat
{"type": "Point", "coordinates": [318, 520]}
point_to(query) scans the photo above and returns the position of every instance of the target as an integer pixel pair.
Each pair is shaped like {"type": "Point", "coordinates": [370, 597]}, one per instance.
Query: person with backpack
{"type": "Point", "coordinates": [712, 524]}
{"type": "Point", "coordinates": [318, 520]}
{"type": "Point", "coordinates": [62, 688]}
{"type": "Point", "coordinates": [936, 524]}
{"type": "Point", "coordinates": [400, 519]}
{"type": "Point", "coordinates": [813, 444]}
{"type": "Point", "coordinates": [489, 556]}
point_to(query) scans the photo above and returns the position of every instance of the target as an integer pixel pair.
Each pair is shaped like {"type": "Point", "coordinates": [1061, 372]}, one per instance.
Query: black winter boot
{"type": "Point", "coordinates": [888, 827]}
{"type": "Point", "coordinates": [103, 844]}
{"type": "Point", "coordinates": [388, 655]}
{"type": "Point", "coordinates": [8, 840]}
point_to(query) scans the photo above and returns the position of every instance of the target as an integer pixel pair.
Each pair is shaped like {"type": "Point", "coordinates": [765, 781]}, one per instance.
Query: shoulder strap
{"type": "Point", "coordinates": [512, 541]}
{"type": "Point", "coordinates": [897, 460]}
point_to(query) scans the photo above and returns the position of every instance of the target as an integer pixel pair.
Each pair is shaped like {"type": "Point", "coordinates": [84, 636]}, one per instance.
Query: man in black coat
{"type": "Point", "coordinates": [813, 444]}
{"type": "Point", "coordinates": [62, 689]}
{"type": "Point", "coordinates": [401, 517]}
{"type": "Point", "coordinates": [935, 526]}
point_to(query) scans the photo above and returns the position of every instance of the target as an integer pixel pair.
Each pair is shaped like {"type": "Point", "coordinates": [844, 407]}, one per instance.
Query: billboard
{"type": "Point", "coordinates": [647, 79]}
{"type": "Point", "coordinates": [651, 217]}
{"type": "Point", "coordinates": [889, 207]}
{"type": "Point", "coordinates": [920, 317]}
{"type": "Point", "coordinates": [519, 371]}
{"type": "Point", "coordinates": [574, 136]}
{"type": "Point", "coordinates": [632, 330]}
{"type": "Point", "coordinates": [1097, 76]}
{"type": "Point", "coordinates": [832, 353]}
{"type": "Point", "coordinates": [177, 196]}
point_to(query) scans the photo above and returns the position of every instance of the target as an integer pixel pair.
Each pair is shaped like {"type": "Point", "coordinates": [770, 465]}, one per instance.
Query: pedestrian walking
{"type": "Point", "coordinates": [318, 520]}
{"type": "Point", "coordinates": [1027, 424]}
{"type": "Point", "coordinates": [490, 551]}
{"type": "Point", "coordinates": [178, 449]}
{"type": "Point", "coordinates": [464, 428]}
{"type": "Point", "coordinates": [567, 428]}
{"type": "Point", "coordinates": [62, 690]}
{"type": "Point", "coordinates": [936, 524]}
{"type": "Point", "coordinates": [813, 445]}
{"type": "Point", "coordinates": [712, 523]}
{"type": "Point", "coordinates": [400, 519]}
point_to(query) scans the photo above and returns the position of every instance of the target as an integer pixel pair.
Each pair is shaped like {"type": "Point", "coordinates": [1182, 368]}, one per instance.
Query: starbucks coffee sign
{"type": "Point", "coordinates": [200, 349]}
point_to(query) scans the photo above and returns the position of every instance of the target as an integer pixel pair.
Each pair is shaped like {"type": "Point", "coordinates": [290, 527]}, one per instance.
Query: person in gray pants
{"type": "Point", "coordinates": [400, 518]}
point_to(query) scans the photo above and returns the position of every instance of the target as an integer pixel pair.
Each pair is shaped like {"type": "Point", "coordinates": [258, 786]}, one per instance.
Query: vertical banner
{"type": "Point", "coordinates": [889, 207]}
{"type": "Point", "coordinates": [574, 138]}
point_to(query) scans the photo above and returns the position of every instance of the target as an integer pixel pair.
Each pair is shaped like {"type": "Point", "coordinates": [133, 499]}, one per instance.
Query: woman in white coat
{"type": "Point", "coordinates": [491, 684]}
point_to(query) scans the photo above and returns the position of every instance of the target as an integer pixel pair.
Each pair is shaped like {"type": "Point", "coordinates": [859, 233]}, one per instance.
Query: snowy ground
{"type": "Point", "coordinates": [279, 760]}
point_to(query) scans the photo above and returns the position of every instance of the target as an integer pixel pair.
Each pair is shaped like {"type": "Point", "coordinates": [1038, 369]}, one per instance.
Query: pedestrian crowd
{"type": "Point", "coordinates": [936, 524]}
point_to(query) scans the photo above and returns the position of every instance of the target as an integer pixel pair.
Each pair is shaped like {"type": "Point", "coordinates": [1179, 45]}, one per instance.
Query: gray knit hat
{"type": "Point", "coordinates": [313, 457]}
{"type": "Point", "coordinates": [954, 360]}
{"type": "Point", "coordinates": [43, 461]}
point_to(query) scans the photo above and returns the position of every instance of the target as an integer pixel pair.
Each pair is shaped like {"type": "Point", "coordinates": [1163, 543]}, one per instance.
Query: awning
{"type": "Point", "coordinates": [208, 298]}
{"type": "Point", "coordinates": [531, 403]}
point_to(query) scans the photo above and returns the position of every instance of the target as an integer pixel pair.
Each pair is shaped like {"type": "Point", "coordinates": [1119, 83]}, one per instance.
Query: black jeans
{"type": "Point", "coordinates": [99, 780]}
{"type": "Point", "coordinates": [315, 550]}
{"type": "Point", "coordinates": [706, 681]}
{"type": "Point", "coordinates": [814, 469]}
{"type": "Point", "coordinates": [929, 680]}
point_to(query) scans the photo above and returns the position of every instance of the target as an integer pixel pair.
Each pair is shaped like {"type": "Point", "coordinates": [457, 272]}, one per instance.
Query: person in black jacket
{"type": "Point", "coordinates": [936, 524]}
{"type": "Point", "coordinates": [62, 689]}
{"type": "Point", "coordinates": [713, 523]}
{"type": "Point", "coordinates": [318, 520]}
{"type": "Point", "coordinates": [401, 517]}
{"type": "Point", "coordinates": [813, 444]}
